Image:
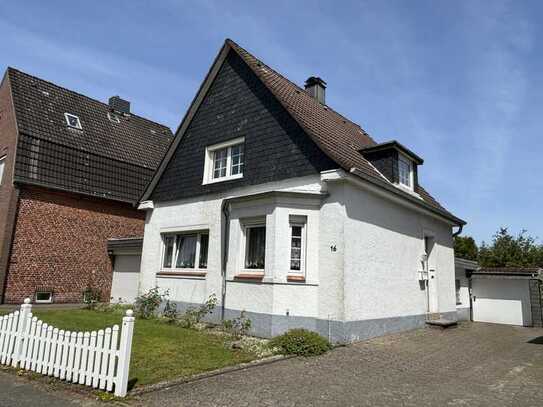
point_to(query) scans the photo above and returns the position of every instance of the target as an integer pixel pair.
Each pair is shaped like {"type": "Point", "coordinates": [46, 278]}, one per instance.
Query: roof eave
{"type": "Point", "coordinates": [394, 145]}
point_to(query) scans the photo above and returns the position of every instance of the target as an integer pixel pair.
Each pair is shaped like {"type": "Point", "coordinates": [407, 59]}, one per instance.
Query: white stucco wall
{"type": "Point", "coordinates": [362, 253]}
{"type": "Point", "coordinates": [204, 213]}
{"type": "Point", "coordinates": [383, 247]}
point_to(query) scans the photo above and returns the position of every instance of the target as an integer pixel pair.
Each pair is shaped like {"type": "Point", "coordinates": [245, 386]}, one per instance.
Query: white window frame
{"type": "Point", "coordinates": [67, 118]}
{"type": "Point", "coordinates": [406, 160]}
{"type": "Point", "coordinates": [173, 268]}
{"type": "Point", "coordinates": [2, 168]}
{"type": "Point", "coordinates": [49, 301]}
{"type": "Point", "coordinates": [112, 117]}
{"type": "Point", "coordinates": [210, 161]}
{"type": "Point", "coordinates": [247, 225]}
{"type": "Point", "coordinates": [303, 250]}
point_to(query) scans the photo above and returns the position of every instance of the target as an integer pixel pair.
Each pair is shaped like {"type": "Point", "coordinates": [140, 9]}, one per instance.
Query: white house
{"type": "Point", "coordinates": [281, 207]}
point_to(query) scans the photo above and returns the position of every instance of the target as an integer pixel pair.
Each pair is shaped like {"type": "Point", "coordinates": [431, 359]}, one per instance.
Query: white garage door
{"type": "Point", "coordinates": [125, 278]}
{"type": "Point", "coordinates": [502, 301]}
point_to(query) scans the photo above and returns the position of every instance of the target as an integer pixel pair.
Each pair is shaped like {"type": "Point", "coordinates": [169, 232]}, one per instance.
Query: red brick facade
{"type": "Point", "coordinates": [60, 242]}
{"type": "Point", "coordinates": [8, 194]}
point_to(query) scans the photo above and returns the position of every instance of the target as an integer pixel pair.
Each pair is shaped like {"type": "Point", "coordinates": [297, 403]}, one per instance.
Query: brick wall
{"type": "Point", "coordinates": [8, 194]}
{"type": "Point", "coordinates": [60, 242]}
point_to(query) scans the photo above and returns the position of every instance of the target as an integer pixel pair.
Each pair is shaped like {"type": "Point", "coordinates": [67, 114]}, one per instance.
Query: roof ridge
{"type": "Point", "coordinates": [328, 107]}
{"type": "Point", "coordinates": [12, 69]}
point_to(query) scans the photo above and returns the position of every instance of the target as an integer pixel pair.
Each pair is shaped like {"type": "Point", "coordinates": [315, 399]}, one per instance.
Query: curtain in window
{"type": "Point", "coordinates": [296, 248]}
{"type": "Point", "coordinates": [256, 248]}
{"type": "Point", "coordinates": [168, 251]}
{"type": "Point", "coordinates": [186, 251]}
{"type": "Point", "coordinates": [204, 243]}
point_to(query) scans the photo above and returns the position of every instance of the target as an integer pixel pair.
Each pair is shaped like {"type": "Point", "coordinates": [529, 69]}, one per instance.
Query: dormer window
{"type": "Point", "coordinates": [394, 162]}
{"type": "Point", "coordinates": [224, 161]}
{"type": "Point", "coordinates": [405, 171]}
{"type": "Point", "coordinates": [73, 121]}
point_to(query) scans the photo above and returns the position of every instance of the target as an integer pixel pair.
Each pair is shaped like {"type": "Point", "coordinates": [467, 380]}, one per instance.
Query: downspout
{"type": "Point", "coordinates": [460, 227]}
{"type": "Point", "coordinates": [226, 213]}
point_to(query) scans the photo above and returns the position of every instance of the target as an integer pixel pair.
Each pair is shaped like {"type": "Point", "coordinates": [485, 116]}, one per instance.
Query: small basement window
{"type": "Point", "coordinates": [73, 121]}
{"type": "Point", "coordinates": [224, 161]}
{"type": "Point", "coordinates": [44, 296]}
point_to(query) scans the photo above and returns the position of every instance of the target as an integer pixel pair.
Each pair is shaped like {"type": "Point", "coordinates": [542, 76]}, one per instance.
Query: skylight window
{"type": "Point", "coordinates": [73, 121]}
{"type": "Point", "coordinates": [113, 117]}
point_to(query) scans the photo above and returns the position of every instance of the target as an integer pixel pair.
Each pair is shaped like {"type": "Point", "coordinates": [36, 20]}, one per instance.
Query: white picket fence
{"type": "Point", "coordinates": [98, 358]}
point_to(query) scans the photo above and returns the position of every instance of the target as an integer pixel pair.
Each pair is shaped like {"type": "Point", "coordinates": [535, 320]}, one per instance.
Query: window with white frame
{"type": "Point", "coordinates": [2, 165]}
{"type": "Point", "coordinates": [73, 121]}
{"type": "Point", "coordinates": [405, 172]}
{"type": "Point", "coordinates": [185, 250]}
{"type": "Point", "coordinates": [255, 246]}
{"type": "Point", "coordinates": [297, 247]}
{"type": "Point", "coordinates": [224, 161]}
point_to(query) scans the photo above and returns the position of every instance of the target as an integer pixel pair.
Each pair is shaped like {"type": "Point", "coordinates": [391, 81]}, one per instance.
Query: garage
{"type": "Point", "coordinates": [509, 296]}
{"type": "Point", "coordinates": [125, 255]}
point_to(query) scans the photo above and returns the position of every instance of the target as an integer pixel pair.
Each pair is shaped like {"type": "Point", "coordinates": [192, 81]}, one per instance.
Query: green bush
{"type": "Point", "coordinates": [91, 297]}
{"type": "Point", "coordinates": [237, 327]}
{"type": "Point", "coordinates": [194, 315]}
{"type": "Point", "coordinates": [146, 305]}
{"type": "Point", "coordinates": [301, 342]}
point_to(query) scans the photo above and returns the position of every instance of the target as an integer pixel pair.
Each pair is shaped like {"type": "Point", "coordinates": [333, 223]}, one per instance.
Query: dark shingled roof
{"type": "Point", "coordinates": [337, 136]}
{"type": "Point", "coordinates": [106, 159]}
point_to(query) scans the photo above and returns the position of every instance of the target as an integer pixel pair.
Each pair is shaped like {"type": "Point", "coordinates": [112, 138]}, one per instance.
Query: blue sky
{"type": "Point", "coordinates": [460, 83]}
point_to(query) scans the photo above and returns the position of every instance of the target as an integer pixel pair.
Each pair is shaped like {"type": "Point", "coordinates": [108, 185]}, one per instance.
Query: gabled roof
{"type": "Point", "coordinates": [105, 158]}
{"type": "Point", "coordinates": [40, 106]}
{"type": "Point", "coordinates": [338, 137]}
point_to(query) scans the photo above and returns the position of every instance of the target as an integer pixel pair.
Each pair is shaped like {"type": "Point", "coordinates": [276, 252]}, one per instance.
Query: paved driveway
{"type": "Point", "coordinates": [472, 365]}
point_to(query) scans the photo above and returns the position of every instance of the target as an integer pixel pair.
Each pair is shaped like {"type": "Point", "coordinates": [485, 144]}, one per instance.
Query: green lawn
{"type": "Point", "coordinates": [160, 351]}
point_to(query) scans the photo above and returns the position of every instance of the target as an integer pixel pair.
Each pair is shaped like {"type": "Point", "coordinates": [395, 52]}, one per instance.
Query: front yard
{"type": "Point", "coordinates": [160, 351]}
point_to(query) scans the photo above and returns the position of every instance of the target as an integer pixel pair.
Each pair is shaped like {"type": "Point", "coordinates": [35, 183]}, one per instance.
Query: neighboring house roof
{"type": "Point", "coordinates": [105, 158]}
{"type": "Point", "coordinates": [509, 270]}
{"type": "Point", "coordinates": [465, 263]}
{"type": "Point", "coordinates": [338, 137]}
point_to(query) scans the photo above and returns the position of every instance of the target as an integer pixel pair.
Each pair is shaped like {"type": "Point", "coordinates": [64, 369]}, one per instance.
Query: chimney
{"type": "Point", "coordinates": [316, 88]}
{"type": "Point", "coordinates": [119, 105]}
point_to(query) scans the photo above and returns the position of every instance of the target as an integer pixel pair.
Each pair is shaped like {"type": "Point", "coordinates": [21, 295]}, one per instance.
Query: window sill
{"type": "Point", "coordinates": [197, 273]}
{"type": "Point", "coordinates": [249, 276]}
{"type": "Point", "coordinates": [222, 179]}
{"type": "Point", "coordinates": [298, 278]}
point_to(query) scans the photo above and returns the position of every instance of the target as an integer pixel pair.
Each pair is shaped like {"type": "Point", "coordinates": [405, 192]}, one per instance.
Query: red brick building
{"type": "Point", "coordinates": [71, 170]}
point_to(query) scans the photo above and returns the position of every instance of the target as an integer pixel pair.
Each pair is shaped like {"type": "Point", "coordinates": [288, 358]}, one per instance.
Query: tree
{"type": "Point", "coordinates": [465, 248]}
{"type": "Point", "coordinates": [507, 250]}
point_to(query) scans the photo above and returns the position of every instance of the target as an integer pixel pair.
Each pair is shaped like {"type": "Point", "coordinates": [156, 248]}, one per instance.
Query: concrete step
{"type": "Point", "coordinates": [442, 323]}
